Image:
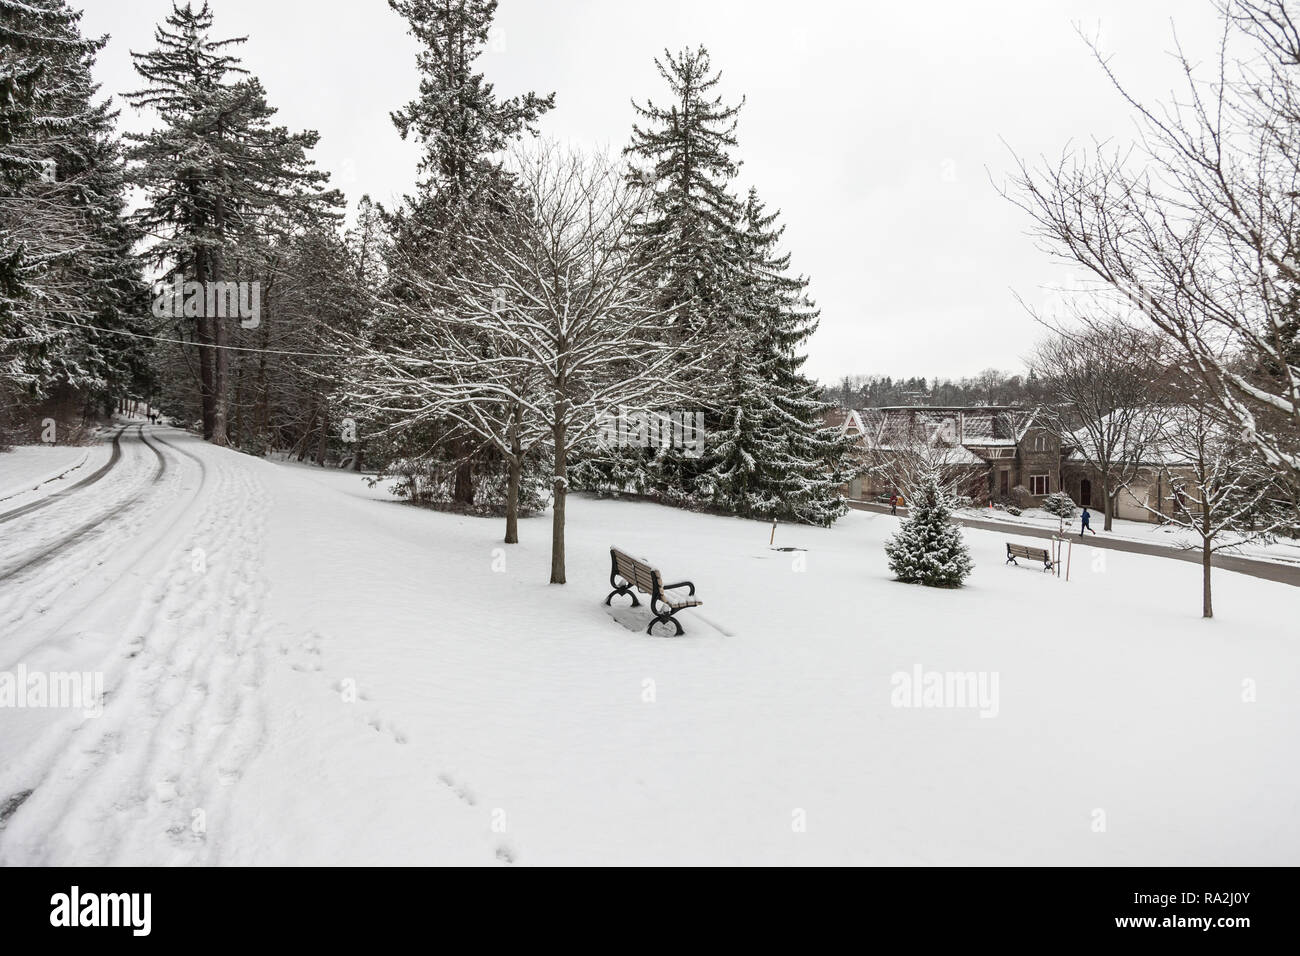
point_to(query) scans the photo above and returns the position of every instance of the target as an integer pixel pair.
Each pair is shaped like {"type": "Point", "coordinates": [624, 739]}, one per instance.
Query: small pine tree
{"type": "Point", "coordinates": [928, 549]}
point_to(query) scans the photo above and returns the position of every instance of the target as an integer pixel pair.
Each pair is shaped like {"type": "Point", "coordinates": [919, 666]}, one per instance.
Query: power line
{"type": "Point", "coordinates": [201, 345]}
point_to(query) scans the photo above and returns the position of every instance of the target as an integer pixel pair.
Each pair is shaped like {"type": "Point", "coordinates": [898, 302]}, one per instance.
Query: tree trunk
{"type": "Point", "coordinates": [221, 336]}
{"type": "Point", "coordinates": [464, 490]}
{"type": "Point", "coordinates": [516, 465]}
{"type": "Point", "coordinates": [1207, 604]}
{"type": "Point", "coordinates": [512, 501]}
{"type": "Point", "coordinates": [301, 446]}
{"type": "Point", "coordinates": [204, 334]}
{"type": "Point", "coordinates": [1110, 498]}
{"type": "Point", "coordinates": [262, 417]}
{"type": "Point", "coordinates": [323, 445]}
{"type": "Point", "coordinates": [238, 424]}
{"type": "Point", "coordinates": [561, 485]}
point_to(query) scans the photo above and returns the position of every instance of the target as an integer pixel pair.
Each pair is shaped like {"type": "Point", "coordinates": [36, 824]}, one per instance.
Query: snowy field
{"type": "Point", "coordinates": [299, 669]}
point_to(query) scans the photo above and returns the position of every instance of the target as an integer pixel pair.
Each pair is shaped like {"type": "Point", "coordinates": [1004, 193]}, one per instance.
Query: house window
{"type": "Point", "coordinates": [1040, 443]}
{"type": "Point", "coordinates": [1038, 484]}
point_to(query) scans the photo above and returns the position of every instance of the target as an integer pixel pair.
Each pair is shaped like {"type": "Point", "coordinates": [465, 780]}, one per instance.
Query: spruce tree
{"type": "Point", "coordinates": [215, 169]}
{"type": "Point", "coordinates": [681, 150]}
{"type": "Point", "coordinates": [776, 457]}
{"type": "Point", "coordinates": [464, 128]}
{"type": "Point", "coordinates": [71, 283]}
{"type": "Point", "coordinates": [928, 548]}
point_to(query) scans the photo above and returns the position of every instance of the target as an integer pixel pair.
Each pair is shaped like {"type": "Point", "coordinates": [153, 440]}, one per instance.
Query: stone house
{"type": "Point", "coordinates": [992, 450]}
{"type": "Point", "coordinates": [1156, 474]}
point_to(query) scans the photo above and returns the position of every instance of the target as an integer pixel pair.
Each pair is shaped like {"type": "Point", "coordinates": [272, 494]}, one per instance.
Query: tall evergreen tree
{"type": "Point", "coordinates": [464, 127]}
{"type": "Point", "coordinates": [774, 457]}
{"type": "Point", "coordinates": [683, 148]}
{"type": "Point", "coordinates": [71, 284]}
{"type": "Point", "coordinates": [216, 168]}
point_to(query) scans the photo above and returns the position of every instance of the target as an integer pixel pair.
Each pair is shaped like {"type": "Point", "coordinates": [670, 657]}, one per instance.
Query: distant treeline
{"type": "Point", "coordinates": [990, 387]}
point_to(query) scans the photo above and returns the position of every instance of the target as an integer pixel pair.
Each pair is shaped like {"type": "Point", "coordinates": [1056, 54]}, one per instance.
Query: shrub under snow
{"type": "Point", "coordinates": [1060, 504]}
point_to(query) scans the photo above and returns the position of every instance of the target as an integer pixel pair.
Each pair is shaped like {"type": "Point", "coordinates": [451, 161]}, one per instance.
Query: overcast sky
{"type": "Point", "coordinates": [875, 127]}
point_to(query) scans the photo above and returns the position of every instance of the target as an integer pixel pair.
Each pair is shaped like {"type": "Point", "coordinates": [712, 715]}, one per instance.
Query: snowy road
{"type": "Point", "coordinates": [298, 669]}
{"type": "Point", "coordinates": [102, 579]}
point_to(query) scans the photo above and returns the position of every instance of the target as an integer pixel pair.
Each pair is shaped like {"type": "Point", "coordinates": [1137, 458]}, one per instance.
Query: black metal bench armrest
{"type": "Point", "coordinates": [680, 584]}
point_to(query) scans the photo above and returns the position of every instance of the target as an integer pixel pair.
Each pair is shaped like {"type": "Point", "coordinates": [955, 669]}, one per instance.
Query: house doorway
{"type": "Point", "coordinates": [1085, 493]}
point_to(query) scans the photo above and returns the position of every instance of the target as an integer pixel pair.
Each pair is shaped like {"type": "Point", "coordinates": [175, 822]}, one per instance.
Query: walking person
{"type": "Point", "coordinates": [893, 504]}
{"type": "Point", "coordinates": [1085, 523]}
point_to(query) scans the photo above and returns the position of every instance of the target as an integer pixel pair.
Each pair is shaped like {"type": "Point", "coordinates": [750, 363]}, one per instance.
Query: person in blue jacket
{"type": "Point", "coordinates": [1086, 524]}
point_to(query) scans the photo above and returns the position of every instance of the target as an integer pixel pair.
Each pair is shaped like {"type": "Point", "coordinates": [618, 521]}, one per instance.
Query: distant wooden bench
{"type": "Point", "coordinates": [635, 573]}
{"type": "Point", "coordinates": [1032, 554]}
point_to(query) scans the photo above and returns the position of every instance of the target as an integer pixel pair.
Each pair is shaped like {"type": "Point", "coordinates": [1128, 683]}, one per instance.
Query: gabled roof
{"type": "Point", "coordinates": [987, 426]}
{"type": "Point", "coordinates": [848, 421]}
{"type": "Point", "coordinates": [1148, 440]}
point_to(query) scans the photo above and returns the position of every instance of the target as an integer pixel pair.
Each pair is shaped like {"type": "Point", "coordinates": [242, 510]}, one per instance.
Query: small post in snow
{"type": "Point", "coordinates": [772, 538]}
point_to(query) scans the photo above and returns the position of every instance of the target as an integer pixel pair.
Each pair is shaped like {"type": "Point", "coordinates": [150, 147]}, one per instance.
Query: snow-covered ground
{"type": "Point", "coordinates": [1282, 550]}
{"type": "Point", "coordinates": [299, 669]}
{"type": "Point", "coordinates": [31, 471]}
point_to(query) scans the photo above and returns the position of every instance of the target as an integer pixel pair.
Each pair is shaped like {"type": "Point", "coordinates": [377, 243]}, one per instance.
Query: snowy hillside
{"type": "Point", "coordinates": [298, 669]}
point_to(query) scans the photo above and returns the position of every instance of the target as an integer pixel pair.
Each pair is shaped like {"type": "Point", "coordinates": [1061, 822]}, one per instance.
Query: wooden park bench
{"type": "Point", "coordinates": [635, 573]}
{"type": "Point", "coordinates": [1033, 554]}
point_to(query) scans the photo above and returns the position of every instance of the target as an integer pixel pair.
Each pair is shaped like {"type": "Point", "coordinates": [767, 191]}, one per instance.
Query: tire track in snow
{"type": "Point", "coordinates": [28, 487]}
{"type": "Point", "coordinates": [45, 642]}
{"type": "Point", "coordinates": [182, 715]}
{"type": "Point", "coordinates": [50, 581]}
{"type": "Point", "coordinates": [90, 479]}
{"type": "Point", "coordinates": [72, 537]}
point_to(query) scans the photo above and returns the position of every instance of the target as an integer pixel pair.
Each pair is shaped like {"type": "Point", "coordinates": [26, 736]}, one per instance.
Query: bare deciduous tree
{"type": "Point", "coordinates": [1197, 225]}
{"type": "Point", "coordinates": [556, 327]}
{"type": "Point", "coordinates": [1218, 489]}
{"type": "Point", "coordinates": [1102, 385]}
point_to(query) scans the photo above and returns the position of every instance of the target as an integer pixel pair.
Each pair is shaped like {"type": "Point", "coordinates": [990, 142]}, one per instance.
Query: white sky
{"type": "Point", "coordinates": [874, 127]}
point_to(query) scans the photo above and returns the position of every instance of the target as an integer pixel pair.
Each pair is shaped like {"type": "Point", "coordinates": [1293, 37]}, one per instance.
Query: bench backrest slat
{"type": "Point", "coordinates": [1021, 551]}
{"type": "Point", "coordinates": [637, 573]}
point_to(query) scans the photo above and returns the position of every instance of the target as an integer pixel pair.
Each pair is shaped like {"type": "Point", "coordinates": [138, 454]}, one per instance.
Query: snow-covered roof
{"type": "Point", "coordinates": [1131, 433]}
{"type": "Point", "coordinates": [988, 426]}
{"type": "Point", "coordinates": [1149, 438]}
